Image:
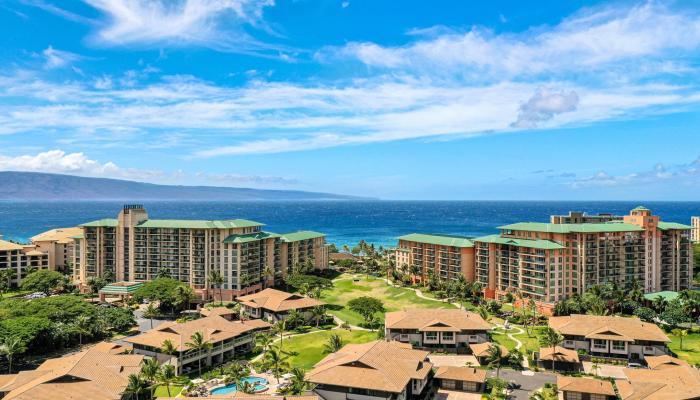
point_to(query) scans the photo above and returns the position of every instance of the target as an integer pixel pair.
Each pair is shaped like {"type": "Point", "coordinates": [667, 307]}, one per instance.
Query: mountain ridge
{"type": "Point", "coordinates": [20, 185]}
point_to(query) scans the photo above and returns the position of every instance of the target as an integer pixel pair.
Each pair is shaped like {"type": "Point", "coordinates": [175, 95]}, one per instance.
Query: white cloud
{"type": "Point", "coordinates": [544, 105]}
{"type": "Point", "coordinates": [58, 58]}
{"type": "Point", "coordinates": [58, 161]}
{"type": "Point", "coordinates": [216, 24]}
{"type": "Point", "coordinates": [682, 174]}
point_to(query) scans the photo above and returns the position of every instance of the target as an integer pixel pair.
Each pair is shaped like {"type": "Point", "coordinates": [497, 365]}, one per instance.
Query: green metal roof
{"type": "Point", "coordinates": [104, 222]}
{"type": "Point", "coordinates": [666, 295]}
{"type": "Point", "coordinates": [197, 224]}
{"type": "Point", "coordinates": [672, 225]}
{"type": "Point", "coordinates": [81, 236]}
{"type": "Point", "coordinates": [300, 235]}
{"type": "Point", "coordinates": [250, 237]}
{"type": "Point", "coordinates": [573, 228]}
{"type": "Point", "coordinates": [640, 208]}
{"type": "Point", "coordinates": [531, 243]}
{"type": "Point", "coordinates": [121, 287]}
{"type": "Point", "coordinates": [441, 240]}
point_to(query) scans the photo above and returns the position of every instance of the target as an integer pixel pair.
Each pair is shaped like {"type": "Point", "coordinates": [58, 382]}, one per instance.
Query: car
{"type": "Point", "coordinates": [512, 385]}
{"type": "Point", "coordinates": [635, 365]}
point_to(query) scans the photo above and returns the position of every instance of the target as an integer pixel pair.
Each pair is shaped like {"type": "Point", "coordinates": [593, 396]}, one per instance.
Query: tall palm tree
{"type": "Point", "coordinates": [294, 319]}
{"type": "Point", "coordinates": [415, 271]}
{"type": "Point", "coordinates": [135, 386]}
{"type": "Point", "coordinates": [680, 334]}
{"type": "Point", "coordinates": [82, 325]}
{"type": "Point", "coordinates": [268, 274]}
{"type": "Point", "coordinates": [198, 344]}
{"type": "Point", "coordinates": [10, 347]}
{"type": "Point", "coordinates": [168, 347]}
{"type": "Point", "coordinates": [298, 381]}
{"type": "Point", "coordinates": [278, 360]}
{"type": "Point", "coordinates": [149, 372]}
{"type": "Point", "coordinates": [335, 343]}
{"type": "Point", "coordinates": [551, 338]}
{"type": "Point", "coordinates": [264, 340]}
{"type": "Point", "coordinates": [184, 295]}
{"type": "Point", "coordinates": [150, 312]}
{"type": "Point", "coordinates": [216, 279]}
{"type": "Point", "coordinates": [317, 314]}
{"type": "Point", "coordinates": [278, 329]}
{"type": "Point", "coordinates": [494, 357]}
{"type": "Point", "coordinates": [163, 272]}
{"type": "Point", "coordinates": [166, 376]}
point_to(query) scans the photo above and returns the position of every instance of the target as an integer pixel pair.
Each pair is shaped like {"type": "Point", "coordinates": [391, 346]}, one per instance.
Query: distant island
{"type": "Point", "coordinates": [43, 186]}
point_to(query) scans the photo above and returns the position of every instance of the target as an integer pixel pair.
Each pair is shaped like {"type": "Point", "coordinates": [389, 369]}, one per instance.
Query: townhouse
{"type": "Point", "coordinates": [679, 382]}
{"type": "Point", "coordinates": [575, 388]}
{"type": "Point", "coordinates": [274, 305]}
{"type": "Point", "coordinates": [449, 329]}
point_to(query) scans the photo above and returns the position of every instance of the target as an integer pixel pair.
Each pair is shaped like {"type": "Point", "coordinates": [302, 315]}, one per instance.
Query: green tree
{"type": "Point", "coordinates": [166, 376]}
{"type": "Point", "coordinates": [198, 344]}
{"type": "Point", "coordinates": [318, 313]}
{"type": "Point", "coordinates": [294, 319]}
{"type": "Point", "coordinates": [298, 384]}
{"type": "Point", "coordinates": [96, 284]}
{"type": "Point", "coordinates": [495, 357]}
{"type": "Point", "coordinates": [6, 277]}
{"type": "Point", "coordinates": [278, 329]}
{"type": "Point", "coordinates": [268, 275]}
{"type": "Point", "coordinates": [334, 343]}
{"type": "Point", "coordinates": [216, 280]}
{"type": "Point", "coordinates": [162, 290]}
{"type": "Point", "coordinates": [551, 338]}
{"type": "Point", "coordinates": [367, 307]}
{"type": "Point", "coordinates": [168, 347]}
{"type": "Point", "coordinates": [11, 347]}
{"type": "Point", "coordinates": [151, 312]}
{"type": "Point", "coordinates": [42, 281]}
{"type": "Point", "coordinates": [680, 334]}
{"type": "Point", "coordinates": [83, 324]}
{"type": "Point", "coordinates": [183, 296]}
{"type": "Point", "coordinates": [277, 360]}
{"type": "Point", "coordinates": [149, 371]}
{"type": "Point", "coordinates": [135, 386]}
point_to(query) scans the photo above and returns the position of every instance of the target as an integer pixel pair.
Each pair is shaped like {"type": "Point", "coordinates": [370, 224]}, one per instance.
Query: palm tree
{"type": "Point", "coordinates": [135, 386]}
{"type": "Point", "coordinates": [279, 328]}
{"type": "Point", "coordinates": [150, 312]}
{"type": "Point", "coordinates": [168, 347]}
{"type": "Point", "coordinates": [335, 343]}
{"type": "Point", "coordinates": [166, 376]}
{"type": "Point", "coordinates": [268, 274]}
{"type": "Point", "coordinates": [317, 314]}
{"type": "Point", "coordinates": [278, 360]}
{"type": "Point", "coordinates": [216, 279]}
{"type": "Point", "coordinates": [82, 325]}
{"type": "Point", "coordinates": [149, 371]}
{"type": "Point", "coordinates": [298, 382]}
{"type": "Point", "coordinates": [415, 271]}
{"type": "Point", "coordinates": [10, 347]}
{"type": "Point", "coordinates": [198, 344]}
{"type": "Point", "coordinates": [184, 295]}
{"type": "Point", "coordinates": [246, 387]}
{"type": "Point", "coordinates": [551, 338]}
{"type": "Point", "coordinates": [294, 319]}
{"type": "Point", "coordinates": [163, 272]}
{"type": "Point", "coordinates": [494, 357]}
{"type": "Point", "coordinates": [680, 334]}
{"type": "Point", "coordinates": [264, 340]}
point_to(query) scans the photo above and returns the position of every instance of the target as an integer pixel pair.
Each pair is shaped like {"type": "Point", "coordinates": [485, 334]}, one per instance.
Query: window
{"type": "Point", "coordinates": [618, 345]}
{"type": "Point", "coordinates": [448, 384]}
{"type": "Point", "coordinates": [598, 396]}
{"type": "Point", "coordinates": [572, 396]}
{"type": "Point", "coordinates": [430, 335]}
{"type": "Point", "coordinates": [599, 344]}
{"type": "Point", "coordinates": [448, 336]}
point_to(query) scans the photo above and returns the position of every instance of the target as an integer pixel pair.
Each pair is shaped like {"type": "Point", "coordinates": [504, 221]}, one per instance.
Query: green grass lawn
{"type": "Point", "coordinates": [691, 347]}
{"type": "Point", "coordinates": [307, 349]}
{"type": "Point", "coordinates": [162, 391]}
{"type": "Point", "coordinates": [503, 340]}
{"type": "Point", "coordinates": [14, 293]}
{"type": "Point", "coordinates": [394, 298]}
{"type": "Point", "coordinates": [529, 343]}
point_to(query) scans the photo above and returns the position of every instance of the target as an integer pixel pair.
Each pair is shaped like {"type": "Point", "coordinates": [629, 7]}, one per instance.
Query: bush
{"type": "Point", "coordinates": [645, 314]}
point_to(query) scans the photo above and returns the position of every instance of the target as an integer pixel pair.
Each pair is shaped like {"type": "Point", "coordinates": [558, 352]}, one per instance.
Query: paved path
{"type": "Point", "coordinates": [518, 343]}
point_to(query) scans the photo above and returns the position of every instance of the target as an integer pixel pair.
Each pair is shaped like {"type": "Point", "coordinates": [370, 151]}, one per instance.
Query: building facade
{"type": "Point", "coordinates": [59, 244]}
{"type": "Point", "coordinates": [445, 256]}
{"type": "Point", "coordinates": [695, 231]}
{"type": "Point", "coordinates": [21, 259]}
{"type": "Point", "coordinates": [133, 247]}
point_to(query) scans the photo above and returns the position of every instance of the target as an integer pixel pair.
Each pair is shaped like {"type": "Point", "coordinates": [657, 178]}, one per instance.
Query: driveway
{"type": "Point", "coordinates": [610, 371]}
{"type": "Point", "coordinates": [453, 361]}
{"type": "Point", "coordinates": [529, 383]}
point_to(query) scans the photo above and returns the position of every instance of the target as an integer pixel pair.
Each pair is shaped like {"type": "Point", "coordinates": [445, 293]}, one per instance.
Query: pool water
{"type": "Point", "coordinates": [260, 384]}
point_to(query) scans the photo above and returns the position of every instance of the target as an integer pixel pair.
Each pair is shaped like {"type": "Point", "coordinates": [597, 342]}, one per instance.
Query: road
{"type": "Point", "coordinates": [529, 383]}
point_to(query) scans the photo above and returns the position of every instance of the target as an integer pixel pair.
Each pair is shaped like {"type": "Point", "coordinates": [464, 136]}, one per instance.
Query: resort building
{"type": "Point", "coordinates": [578, 217]}
{"type": "Point", "coordinates": [559, 358]}
{"type": "Point", "coordinates": [549, 262]}
{"type": "Point", "coordinates": [274, 305]}
{"type": "Point", "coordinates": [695, 231]}
{"type": "Point", "coordinates": [60, 245]}
{"type": "Point", "coordinates": [449, 329]}
{"type": "Point", "coordinates": [134, 248]}
{"type": "Point", "coordinates": [21, 259]}
{"type": "Point", "coordinates": [574, 388]}
{"type": "Point", "coordinates": [227, 339]}
{"type": "Point", "coordinates": [611, 336]}
{"type": "Point", "coordinates": [375, 370]}
{"type": "Point", "coordinates": [677, 383]}
{"type": "Point", "coordinates": [482, 351]}
{"type": "Point", "coordinates": [445, 256]}
{"type": "Point", "coordinates": [463, 379]}
{"type": "Point", "coordinates": [99, 373]}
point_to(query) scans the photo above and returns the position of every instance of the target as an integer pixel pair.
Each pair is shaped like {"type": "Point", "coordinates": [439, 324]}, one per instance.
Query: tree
{"type": "Point", "coordinates": [551, 338]}
{"type": "Point", "coordinates": [277, 359]}
{"type": "Point", "coordinates": [42, 281]}
{"type": "Point", "coordinates": [162, 290]}
{"type": "Point", "coordinates": [198, 344]}
{"type": "Point", "coordinates": [675, 313]}
{"type": "Point", "coordinates": [216, 279]}
{"type": "Point", "coordinates": [168, 347]}
{"type": "Point", "coordinates": [264, 340]}
{"type": "Point", "coordinates": [167, 376]}
{"type": "Point", "coordinates": [11, 347]}
{"type": "Point", "coordinates": [334, 343]}
{"type": "Point", "coordinates": [278, 329]}
{"type": "Point", "coordinates": [183, 296]}
{"type": "Point", "coordinates": [82, 325]}
{"type": "Point", "coordinates": [6, 277]}
{"type": "Point", "coordinates": [135, 386]}
{"type": "Point", "coordinates": [367, 307]}
{"type": "Point", "coordinates": [96, 284]}
{"type": "Point", "coordinates": [298, 384]}
{"type": "Point", "coordinates": [163, 272]}
{"type": "Point", "coordinates": [680, 334]}
{"type": "Point", "coordinates": [268, 275]}
{"type": "Point", "coordinates": [494, 357]}
{"type": "Point", "coordinates": [150, 312]}
{"type": "Point", "coordinates": [548, 392]}
{"type": "Point", "coordinates": [415, 271]}
{"type": "Point", "coordinates": [149, 371]}
{"type": "Point", "coordinates": [645, 314]}
{"type": "Point", "coordinates": [294, 319]}
{"type": "Point", "coordinates": [318, 313]}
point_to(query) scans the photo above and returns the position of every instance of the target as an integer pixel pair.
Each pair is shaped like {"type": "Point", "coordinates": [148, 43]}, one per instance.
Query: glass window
{"type": "Point", "coordinates": [599, 343]}
{"type": "Point", "coordinates": [618, 345]}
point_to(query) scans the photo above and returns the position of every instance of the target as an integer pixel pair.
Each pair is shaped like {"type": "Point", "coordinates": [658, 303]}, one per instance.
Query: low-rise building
{"type": "Point", "coordinates": [611, 336]}
{"type": "Point", "coordinates": [21, 259]}
{"type": "Point", "coordinates": [677, 383]}
{"type": "Point", "coordinates": [449, 329]}
{"type": "Point", "coordinates": [558, 358]}
{"type": "Point", "coordinates": [482, 351]}
{"type": "Point", "coordinates": [663, 362]}
{"type": "Point", "coordinates": [446, 256]}
{"type": "Point", "coordinates": [467, 379]}
{"type": "Point", "coordinates": [574, 388]}
{"type": "Point", "coordinates": [373, 371]}
{"type": "Point", "coordinates": [99, 373]}
{"type": "Point", "coordinates": [274, 305]}
{"type": "Point", "coordinates": [224, 312]}
{"type": "Point", "coordinates": [227, 339]}
{"type": "Point", "coordinates": [60, 245]}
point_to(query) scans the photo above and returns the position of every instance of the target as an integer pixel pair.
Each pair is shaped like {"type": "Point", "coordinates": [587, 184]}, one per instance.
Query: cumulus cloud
{"type": "Point", "coordinates": [544, 105]}
{"type": "Point", "coordinates": [60, 162]}
{"type": "Point", "coordinates": [681, 174]}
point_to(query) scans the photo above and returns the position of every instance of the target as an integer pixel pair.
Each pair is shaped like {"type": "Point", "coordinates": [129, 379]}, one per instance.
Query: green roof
{"type": "Point", "coordinates": [640, 208]}
{"type": "Point", "coordinates": [300, 235]}
{"type": "Point", "coordinates": [666, 295]}
{"type": "Point", "coordinates": [250, 237]}
{"type": "Point", "coordinates": [441, 240]}
{"type": "Point", "coordinates": [107, 222]}
{"type": "Point", "coordinates": [121, 287]}
{"type": "Point", "coordinates": [573, 228]}
{"type": "Point", "coordinates": [81, 236]}
{"type": "Point", "coordinates": [531, 243]}
{"type": "Point", "coordinates": [197, 224]}
{"type": "Point", "coordinates": [672, 225]}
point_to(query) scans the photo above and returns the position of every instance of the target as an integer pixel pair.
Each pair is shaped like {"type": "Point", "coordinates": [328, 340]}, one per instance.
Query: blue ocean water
{"type": "Point", "coordinates": [345, 222]}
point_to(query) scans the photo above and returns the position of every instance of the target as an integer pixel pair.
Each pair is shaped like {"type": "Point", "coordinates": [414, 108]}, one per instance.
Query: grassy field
{"type": "Point", "coordinates": [14, 293]}
{"type": "Point", "coordinates": [394, 298]}
{"type": "Point", "coordinates": [691, 347]}
{"type": "Point", "coordinates": [162, 391]}
{"type": "Point", "coordinates": [307, 350]}
{"type": "Point", "coordinates": [529, 343]}
{"type": "Point", "coordinates": [503, 340]}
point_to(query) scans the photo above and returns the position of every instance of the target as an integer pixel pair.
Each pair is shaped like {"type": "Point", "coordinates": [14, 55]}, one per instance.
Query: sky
{"type": "Point", "coordinates": [546, 100]}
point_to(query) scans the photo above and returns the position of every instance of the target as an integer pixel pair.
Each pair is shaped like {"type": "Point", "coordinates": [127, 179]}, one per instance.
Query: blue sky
{"type": "Point", "coordinates": [397, 100]}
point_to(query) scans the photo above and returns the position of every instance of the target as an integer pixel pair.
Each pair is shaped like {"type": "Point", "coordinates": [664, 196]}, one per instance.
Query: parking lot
{"type": "Point", "coordinates": [528, 383]}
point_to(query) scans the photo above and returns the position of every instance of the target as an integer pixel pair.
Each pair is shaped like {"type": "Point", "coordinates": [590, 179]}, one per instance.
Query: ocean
{"type": "Point", "coordinates": [344, 222]}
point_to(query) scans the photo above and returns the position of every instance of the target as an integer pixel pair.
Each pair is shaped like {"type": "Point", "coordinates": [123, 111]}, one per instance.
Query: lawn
{"type": "Point", "coordinates": [162, 391]}
{"type": "Point", "coordinates": [691, 347]}
{"type": "Point", "coordinates": [502, 339]}
{"type": "Point", "coordinates": [306, 350]}
{"type": "Point", "coordinates": [529, 343]}
{"type": "Point", "coordinates": [394, 298]}
{"type": "Point", "coordinates": [14, 293]}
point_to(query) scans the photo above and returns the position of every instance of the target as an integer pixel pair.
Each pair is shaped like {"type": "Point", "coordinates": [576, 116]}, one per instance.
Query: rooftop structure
{"type": "Point", "coordinates": [448, 329]}
{"type": "Point", "coordinates": [574, 387]}
{"type": "Point", "coordinates": [678, 383]}
{"type": "Point", "coordinates": [273, 304]}
{"type": "Point", "coordinates": [445, 256]}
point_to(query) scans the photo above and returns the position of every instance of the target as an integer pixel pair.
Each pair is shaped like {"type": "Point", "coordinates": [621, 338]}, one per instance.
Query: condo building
{"type": "Point", "coordinates": [578, 217]}
{"type": "Point", "coordinates": [21, 259]}
{"type": "Point", "coordinates": [695, 231]}
{"type": "Point", "coordinates": [134, 248]}
{"type": "Point", "coordinates": [59, 244]}
{"type": "Point", "coordinates": [446, 256]}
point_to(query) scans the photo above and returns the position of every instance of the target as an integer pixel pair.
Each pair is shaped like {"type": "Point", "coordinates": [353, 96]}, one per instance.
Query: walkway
{"type": "Point", "coordinates": [518, 343]}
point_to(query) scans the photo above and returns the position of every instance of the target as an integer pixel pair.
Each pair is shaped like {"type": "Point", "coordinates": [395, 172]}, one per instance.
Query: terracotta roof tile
{"type": "Point", "coordinates": [276, 300]}
{"type": "Point", "coordinates": [467, 374]}
{"type": "Point", "coordinates": [430, 319]}
{"type": "Point", "coordinates": [608, 327]}
{"type": "Point", "coordinates": [585, 385]}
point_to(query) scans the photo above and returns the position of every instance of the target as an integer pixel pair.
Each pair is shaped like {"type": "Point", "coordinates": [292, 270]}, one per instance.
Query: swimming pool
{"type": "Point", "coordinates": [260, 384]}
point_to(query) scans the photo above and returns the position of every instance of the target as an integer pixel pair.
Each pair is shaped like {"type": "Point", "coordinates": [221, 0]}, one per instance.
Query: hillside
{"type": "Point", "coordinates": [42, 186]}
